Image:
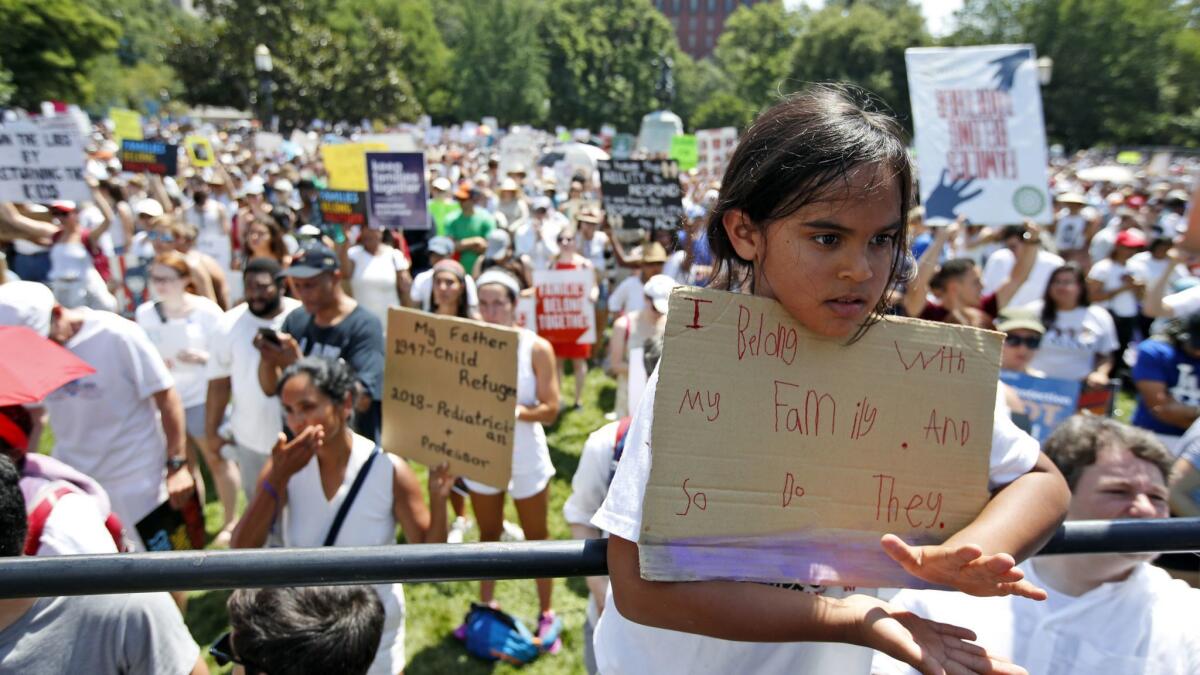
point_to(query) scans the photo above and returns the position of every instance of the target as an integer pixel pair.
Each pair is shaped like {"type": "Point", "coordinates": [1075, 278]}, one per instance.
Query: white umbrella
{"type": "Point", "coordinates": [593, 153]}
{"type": "Point", "coordinates": [1109, 173]}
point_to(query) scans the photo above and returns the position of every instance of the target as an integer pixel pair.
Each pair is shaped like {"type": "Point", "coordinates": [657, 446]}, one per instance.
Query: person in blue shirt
{"type": "Point", "coordinates": [1167, 376]}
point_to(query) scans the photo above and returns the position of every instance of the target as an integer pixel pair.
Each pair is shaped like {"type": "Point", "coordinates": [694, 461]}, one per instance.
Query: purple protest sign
{"type": "Point", "coordinates": [396, 196]}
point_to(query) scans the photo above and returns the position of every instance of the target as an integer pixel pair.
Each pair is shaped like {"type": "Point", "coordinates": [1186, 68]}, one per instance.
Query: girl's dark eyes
{"type": "Point", "coordinates": [826, 239]}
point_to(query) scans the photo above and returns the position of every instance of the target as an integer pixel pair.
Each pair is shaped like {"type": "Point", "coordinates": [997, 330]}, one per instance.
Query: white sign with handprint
{"type": "Point", "coordinates": [980, 138]}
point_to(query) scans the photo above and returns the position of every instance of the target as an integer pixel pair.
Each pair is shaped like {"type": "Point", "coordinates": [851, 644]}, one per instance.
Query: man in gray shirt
{"type": "Point", "coordinates": [125, 634]}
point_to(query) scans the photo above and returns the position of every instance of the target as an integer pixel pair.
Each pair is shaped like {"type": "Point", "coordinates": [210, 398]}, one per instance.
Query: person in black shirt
{"type": "Point", "coordinates": [330, 324]}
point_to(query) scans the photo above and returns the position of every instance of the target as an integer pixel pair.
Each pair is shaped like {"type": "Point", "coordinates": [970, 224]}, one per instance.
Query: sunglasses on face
{"type": "Point", "coordinates": [223, 653]}
{"type": "Point", "coordinates": [1032, 341]}
{"type": "Point", "coordinates": [160, 236]}
{"type": "Point", "coordinates": [162, 279]}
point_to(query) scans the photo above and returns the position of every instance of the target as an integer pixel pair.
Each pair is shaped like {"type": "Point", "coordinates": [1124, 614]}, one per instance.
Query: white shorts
{"type": "Point", "coordinates": [520, 486]}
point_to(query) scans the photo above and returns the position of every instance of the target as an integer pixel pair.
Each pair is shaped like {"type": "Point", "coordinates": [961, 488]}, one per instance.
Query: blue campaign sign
{"type": "Point", "coordinates": [396, 195]}
{"type": "Point", "coordinates": [1048, 402]}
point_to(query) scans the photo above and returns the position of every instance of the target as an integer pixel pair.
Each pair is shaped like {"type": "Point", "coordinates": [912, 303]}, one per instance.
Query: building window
{"type": "Point", "coordinates": [691, 41]}
{"type": "Point", "coordinates": [675, 23]}
{"type": "Point", "coordinates": [676, 4]}
{"type": "Point", "coordinates": [711, 24]}
{"type": "Point", "coordinates": [730, 5]}
{"type": "Point", "coordinates": [695, 5]}
{"type": "Point", "coordinates": [712, 6]}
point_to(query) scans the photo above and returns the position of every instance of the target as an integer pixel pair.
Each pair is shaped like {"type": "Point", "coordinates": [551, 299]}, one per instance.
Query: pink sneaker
{"type": "Point", "coordinates": [460, 633]}
{"type": "Point", "coordinates": [545, 622]}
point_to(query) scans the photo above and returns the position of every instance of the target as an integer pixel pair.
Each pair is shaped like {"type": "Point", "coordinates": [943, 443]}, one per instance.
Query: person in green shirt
{"type": "Point", "coordinates": [442, 207]}
{"type": "Point", "coordinates": [469, 229]}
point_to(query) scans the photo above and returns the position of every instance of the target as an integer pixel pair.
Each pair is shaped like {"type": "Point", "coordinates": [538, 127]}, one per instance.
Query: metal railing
{"type": "Point", "coordinates": [413, 563]}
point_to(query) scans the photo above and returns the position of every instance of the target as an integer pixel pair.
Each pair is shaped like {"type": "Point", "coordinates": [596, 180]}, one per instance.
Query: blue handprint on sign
{"type": "Point", "coordinates": [943, 201]}
{"type": "Point", "coordinates": [1007, 68]}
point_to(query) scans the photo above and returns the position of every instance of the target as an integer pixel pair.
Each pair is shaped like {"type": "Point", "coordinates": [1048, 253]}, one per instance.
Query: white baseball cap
{"type": "Point", "coordinates": [149, 207]}
{"type": "Point", "coordinates": [658, 291]}
{"type": "Point", "coordinates": [26, 303]}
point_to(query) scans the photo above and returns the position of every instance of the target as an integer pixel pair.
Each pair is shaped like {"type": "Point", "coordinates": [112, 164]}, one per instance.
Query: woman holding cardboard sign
{"type": "Point", "coordinates": [811, 214]}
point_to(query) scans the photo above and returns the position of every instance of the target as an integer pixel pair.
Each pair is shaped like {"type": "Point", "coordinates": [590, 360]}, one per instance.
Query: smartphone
{"type": "Point", "coordinates": [270, 335]}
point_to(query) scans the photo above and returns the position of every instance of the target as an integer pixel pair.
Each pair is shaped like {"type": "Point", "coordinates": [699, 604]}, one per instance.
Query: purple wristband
{"type": "Point", "coordinates": [266, 485]}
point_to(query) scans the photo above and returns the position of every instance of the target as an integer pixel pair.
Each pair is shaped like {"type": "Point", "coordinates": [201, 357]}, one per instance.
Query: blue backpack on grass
{"type": "Point", "coordinates": [494, 635]}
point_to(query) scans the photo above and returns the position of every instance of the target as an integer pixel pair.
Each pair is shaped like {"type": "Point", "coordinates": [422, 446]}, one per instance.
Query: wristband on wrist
{"type": "Point", "coordinates": [270, 489]}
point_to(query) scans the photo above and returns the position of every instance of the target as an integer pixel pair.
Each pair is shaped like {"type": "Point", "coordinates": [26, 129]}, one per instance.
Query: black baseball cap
{"type": "Point", "coordinates": [313, 260]}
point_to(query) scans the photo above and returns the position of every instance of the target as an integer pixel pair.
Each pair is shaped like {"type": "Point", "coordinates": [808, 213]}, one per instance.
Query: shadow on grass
{"type": "Point", "coordinates": [206, 616]}
{"type": "Point", "coordinates": [447, 656]}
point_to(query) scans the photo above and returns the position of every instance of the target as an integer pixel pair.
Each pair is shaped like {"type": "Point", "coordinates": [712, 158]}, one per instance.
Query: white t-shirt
{"type": "Point", "coordinates": [106, 424]}
{"type": "Point", "coordinates": [623, 646]}
{"type": "Point", "coordinates": [1111, 275]}
{"type": "Point", "coordinates": [1069, 232]}
{"type": "Point", "coordinates": [593, 249]}
{"type": "Point", "coordinates": [1184, 302]}
{"type": "Point", "coordinates": [177, 335]}
{"type": "Point", "coordinates": [1149, 269]}
{"type": "Point", "coordinates": [630, 296]}
{"type": "Point", "coordinates": [374, 280]}
{"type": "Point", "coordinates": [74, 526]}
{"type": "Point", "coordinates": [422, 291]}
{"type": "Point", "coordinates": [256, 419]}
{"type": "Point", "coordinates": [999, 268]}
{"type": "Point", "coordinates": [541, 250]}
{"type": "Point", "coordinates": [1103, 243]}
{"type": "Point", "coordinates": [1070, 346]}
{"type": "Point", "coordinates": [211, 238]}
{"type": "Point", "coordinates": [589, 486]}
{"type": "Point", "coordinates": [1144, 624]}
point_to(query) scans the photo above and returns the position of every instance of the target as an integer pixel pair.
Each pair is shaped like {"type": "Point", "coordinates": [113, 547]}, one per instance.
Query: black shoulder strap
{"type": "Point", "coordinates": [162, 313]}
{"type": "Point", "coordinates": [345, 507]}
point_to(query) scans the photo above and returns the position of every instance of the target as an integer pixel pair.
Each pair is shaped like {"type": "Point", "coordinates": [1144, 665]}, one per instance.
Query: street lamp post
{"type": "Point", "coordinates": [262, 64]}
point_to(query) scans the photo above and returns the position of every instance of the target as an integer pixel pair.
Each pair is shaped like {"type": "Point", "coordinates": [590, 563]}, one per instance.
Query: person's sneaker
{"type": "Point", "coordinates": [460, 633]}
{"type": "Point", "coordinates": [545, 623]}
{"type": "Point", "coordinates": [512, 532]}
{"type": "Point", "coordinates": [458, 530]}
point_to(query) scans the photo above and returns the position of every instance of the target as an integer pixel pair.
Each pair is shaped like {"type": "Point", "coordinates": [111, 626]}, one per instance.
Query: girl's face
{"type": "Point", "coordinates": [305, 406]}
{"type": "Point", "coordinates": [1065, 290]}
{"type": "Point", "coordinates": [446, 289]}
{"type": "Point", "coordinates": [162, 239]}
{"type": "Point", "coordinates": [258, 236]}
{"type": "Point", "coordinates": [166, 281]}
{"type": "Point", "coordinates": [494, 305]}
{"type": "Point", "coordinates": [566, 242]}
{"type": "Point", "coordinates": [1020, 346]}
{"type": "Point", "coordinates": [828, 263]}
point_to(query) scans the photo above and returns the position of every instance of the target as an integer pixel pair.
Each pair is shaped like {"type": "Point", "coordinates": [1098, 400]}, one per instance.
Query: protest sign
{"type": "Point", "coordinates": [622, 146]}
{"type": "Point", "coordinates": [154, 157]}
{"type": "Point", "coordinates": [200, 151]}
{"type": "Point", "coordinates": [42, 160]}
{"type": "Point", "coordinates": [1048, 402]}
{"type": "Point", "coordinates": [267, 143]}
{"type": "Point", "coordinates": [525, 315]}
{"type": "Point", "coordinates": [783, 456]}
{"type": "Point", "coordinates": [433, 135]}
{"type": "Point", "coordinates": [450, 394]}
{"type": "Point", "coordinates": [127, 124]}
{"type": "Point", "coordinates": [565, 313]}
{"type": "Point", "coordinates": [518, 149]}
{"type": "Point", "coordinates": [306, 142]}
{"type": "Point", "coordinates": [980, 139]}
{"type": "Point", "coordinates": [683, 151]}
{"type": "Point", "coordinates": [343, 207]}
{"type": "Point", "coordinates": [346, 164]}
{"type": "Point", "coordinates": [169, 529]}
{"type": "Point", "coordinates": [641, 193]}
{"type": "Point", "coordinates": [396, 196]}
{"type": "Point", "coordinates": [714, 147]}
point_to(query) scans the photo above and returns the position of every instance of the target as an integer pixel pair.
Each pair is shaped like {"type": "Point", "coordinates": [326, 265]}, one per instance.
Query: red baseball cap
{"type": "Point", "coordinates": [1131, 238]}
{"type": "Point", "coordinates": [62, 206]}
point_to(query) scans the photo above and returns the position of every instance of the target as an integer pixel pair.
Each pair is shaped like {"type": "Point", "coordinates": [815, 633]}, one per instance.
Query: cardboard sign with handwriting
{"type": "Point", "coordinates": [783, 456]}
{"type": "Point", "coordinates": [450, 394]}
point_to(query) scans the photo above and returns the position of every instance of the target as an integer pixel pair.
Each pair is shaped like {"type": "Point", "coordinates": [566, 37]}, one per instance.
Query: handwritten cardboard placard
{"type": "Point", "coordinates": [641, 193]}
{"type": "Point", "coordinates": [346, 164]}
{"type": "Point", "coordinates": [783, 456]}
{"type": "Point", "coordinates": [565, 313]}
{"type": "Point", "coordinates": [450, 393]}
{"type": "Point", "coordinates": [154, 157]}
{"type": "Point", "coordinates": [42, 160]}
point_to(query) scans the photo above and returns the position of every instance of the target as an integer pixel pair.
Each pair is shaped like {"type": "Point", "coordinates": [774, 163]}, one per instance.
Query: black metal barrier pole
{"type": "Point", "coordinates": [411, 563]}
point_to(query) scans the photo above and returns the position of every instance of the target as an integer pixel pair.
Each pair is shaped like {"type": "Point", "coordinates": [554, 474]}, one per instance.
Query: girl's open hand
{"type": "Point", "coordinates": [964, 568]}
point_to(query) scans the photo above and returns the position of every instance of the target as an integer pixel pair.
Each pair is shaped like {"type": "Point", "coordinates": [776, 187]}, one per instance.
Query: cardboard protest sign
{"type": "Point", "coordinates": [683, 151]}
{"type": "Point", "coordinates": [396, 196]}
{"type": "Point", "coordinates": [622, 146]}
{"type": "Point", "coordinates": [783, 456]}
{"type": "Point", "coordinates": [42, 160]}
{"type": "Point", "coordinates": [393, 142]}
{"type": "Point", "coordinates": [343, 207]}
{"type": "Point", "coordinates": [450, 393]}
{"type": "Point", "coordinates": [518, 149]}
{"type": "Point", "coordinates": [565, 313]}
{"type": "Point", "coordinates": [154, 157]}
{"type": "Point", "coordinates": [980, 139]}
{"type": "Point", "coordinates": [200, 151]}
{"type": "Point", "coordinates": [641, 193]}
{"type": "Point", "coordinates": [714, 147]}
{"type": "Point", "coordinates": [346, 164]}
{"type": "Point", "coordinates": [127, 124]}
{"type": "Point", "coordinates": [1048, 402]}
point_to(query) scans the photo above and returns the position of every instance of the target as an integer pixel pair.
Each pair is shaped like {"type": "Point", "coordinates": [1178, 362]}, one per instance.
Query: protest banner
{"type": "Point", "coordinates": [169, 529]}
{"type": "Point", "coordinates": [565, 313]}
{"type": "Point", "coordinates": [1048, 402]}
{"type": "Point", "coordinates": [783, 456]}
{"type": "Point", "coordinates": [450, 393]}
{"type": "Point", "coordinates": [396, 197]}
{"type": "Point", "coordinates": [267, 143]}
{"type": "Point", "coordinates": [714, 147]}
{"type": "Point", "coordinates": [346, 164]}
{"type": "Point", "coordinates": [525, 315]}
{"type": "Point", "coordinates": [394, 142]}
{"type": "Point", "coordinates": [980, 139]}
{"type": "Point", "coordinates": [127, 124]}
{"type": "Point", "coordinates": [343, 207]}
{"type": "Point", "coordinates": [154, 157]}
{"type": "Point", "coordinates": [200, 151]}
{"type": "Point", "coordinates": [42, 160]}
{"type": "Point", "coordinates": [641, 193]}
{"type": "Point", "coordinates": [518, 149]}
{"type": "Point", "coordinates": [683, 151]}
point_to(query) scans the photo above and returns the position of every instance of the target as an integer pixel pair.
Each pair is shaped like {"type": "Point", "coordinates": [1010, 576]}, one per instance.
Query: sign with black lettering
{"type": "Point", "coordinates": [641, 193]}
{"type": "Point", "coordinates": [42, 160]}
{"type": "Point", "coordinates": [150, 157]}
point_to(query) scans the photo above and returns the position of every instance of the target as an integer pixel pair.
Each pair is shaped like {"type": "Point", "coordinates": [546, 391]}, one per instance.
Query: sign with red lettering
{"type": "Point", "coordinates": [783, 456]}
{"type": "Point", "coordinates": [565, 311]}
{"type": "Point", "coordinates": [980, 138]}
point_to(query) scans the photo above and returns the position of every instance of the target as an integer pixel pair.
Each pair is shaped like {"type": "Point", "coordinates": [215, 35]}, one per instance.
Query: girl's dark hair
{"type": "Point", "coordinates": [274, 233]}
{"type": "Point", "coordinates": [799, 152]}
{"type": "Point", "coordinates": [462, 310]}
{"type": "Point", "coordinates": [331, 377]}
{"type": "Point", "coordinates": [1049, 309]}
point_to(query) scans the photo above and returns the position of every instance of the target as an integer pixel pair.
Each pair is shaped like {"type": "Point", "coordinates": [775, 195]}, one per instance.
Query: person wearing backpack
{"type": "Point", "coordinates": [331, 487]}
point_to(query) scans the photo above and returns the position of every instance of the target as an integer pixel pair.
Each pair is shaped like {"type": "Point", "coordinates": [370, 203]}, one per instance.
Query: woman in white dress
{"type": "Point", "coordinates": [378, 273]}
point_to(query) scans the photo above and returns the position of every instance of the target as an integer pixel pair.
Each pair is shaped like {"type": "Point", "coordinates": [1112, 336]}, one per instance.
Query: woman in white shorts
{"type": "Point", "coordinates": [537, 404]}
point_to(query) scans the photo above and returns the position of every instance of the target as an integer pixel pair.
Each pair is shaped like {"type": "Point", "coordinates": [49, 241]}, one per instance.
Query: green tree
{"type": "Point", "coordinates": [602, 58]}
{"type": "Point", "coordinates": [756, 50]}
{"type": "Point", "coordinates": [6, 88]}
{"type": "Point", "coordinates": [48, 47]}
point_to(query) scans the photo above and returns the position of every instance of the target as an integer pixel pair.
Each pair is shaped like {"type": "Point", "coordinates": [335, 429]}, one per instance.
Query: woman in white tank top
{"type": "Point", "coordinates": [537, 404]}
{"type": "Point", "coordinates": [307, 480]}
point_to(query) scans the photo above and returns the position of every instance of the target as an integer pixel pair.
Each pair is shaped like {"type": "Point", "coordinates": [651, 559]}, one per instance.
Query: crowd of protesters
{"type": "Point", "coordinates": [228, 323]}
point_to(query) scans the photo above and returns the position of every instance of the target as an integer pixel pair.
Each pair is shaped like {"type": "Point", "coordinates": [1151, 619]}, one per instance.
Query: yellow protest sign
{"type": "Point", "coordinates": [346, 164]}
{"type": "Point", "coordinates": [200, 151]}
{"type": "Point", "coordinates": [127, 124]}
{"type": "Point", "coordinates": [783, 456]}
{"type": "Point", "coordinates": [450, 393]}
